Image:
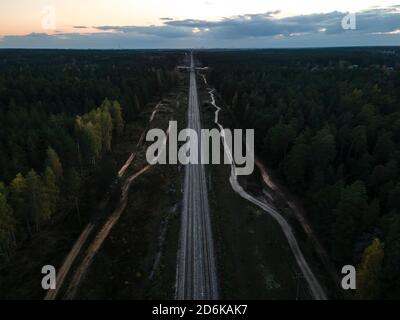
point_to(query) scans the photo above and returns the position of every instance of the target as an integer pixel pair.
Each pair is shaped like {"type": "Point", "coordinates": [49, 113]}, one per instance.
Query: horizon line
{"type": "Point", "coordinates": [208, 48]}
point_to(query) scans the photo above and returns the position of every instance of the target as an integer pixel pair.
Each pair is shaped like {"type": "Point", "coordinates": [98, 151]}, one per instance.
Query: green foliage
{"type": "Point", "coordinates": [54, 114]}
{"type": "Point", "coordinates": [106, 173]}
{"type": "Point", "coordinates": [384, 148]}
{"type": "Point", "coordinates": [330, 132]}
{"type": "Point", "coordinates": [359, 143]}
{"type": "Point", "coordinates": [42, 93]}
{"type": "Point", "coordinates": [394, 198]}
{"type": "Point", "coordinates": [56, 121]}
{"type": "Point", "coordinates": [36, 199]}
{"type": "Point", "coordinates": [349, 215]}
{"type": "Point", "coordinates": [371, 216]}
{"type": "Point", "coordinates": [116, 114]}
{"type": "Point", "coordinates": [297, 166]}
{"type": "Point", "coordinates": [51, 189]}
{"type": "Point", "coordinates": [278, 141]}
{"type": "Point", "coordinates": [7, 227]}
{"type": "Point", "coordinates": [323, 149]}
{"type": "Point", "coordinates": [18, 199]}
{"type": "Point", "coordinates": [89, 139]}
{"type": "Point", "coordinates": [95, 129]}
{"type": "Point", "coordinates": [106, 128]}
{"type": "Point", "coordinates": [39, 206]}
{"type": "Point", "coordinates": [391, 267]}
{"type": "Point", "coordinates": [3, 188]}
{"type": "Point", "coordinates": [53, 162]}
{"type": "Point", "coordinates": [369, 272]}
{"type": "Point", "coordinates": [72, 183]}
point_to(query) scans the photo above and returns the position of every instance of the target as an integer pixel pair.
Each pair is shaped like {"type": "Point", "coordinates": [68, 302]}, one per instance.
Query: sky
{"type": "Point", "coordinates": [129, 24]}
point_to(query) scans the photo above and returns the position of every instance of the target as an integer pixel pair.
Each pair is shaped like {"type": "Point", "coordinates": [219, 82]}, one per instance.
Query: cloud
{"type": "Point", "coordinates": [394, 32]}
{"type": "Point", "coordinates": [266, 24]}
{"type": "Point", "coordinates": [376, 26]}
{"type": "Point", "coordinates": [158, 31]}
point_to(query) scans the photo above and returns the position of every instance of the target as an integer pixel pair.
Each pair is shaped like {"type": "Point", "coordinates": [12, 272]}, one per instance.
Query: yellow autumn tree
{"type": "Point", "coordinates": [368, 272]}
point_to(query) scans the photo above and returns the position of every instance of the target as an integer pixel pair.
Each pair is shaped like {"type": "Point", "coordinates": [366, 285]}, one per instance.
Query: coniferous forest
{"type": "Point", "coordinates": [60, 114]}
{"type": "Point", "coordinates": [327, 121]}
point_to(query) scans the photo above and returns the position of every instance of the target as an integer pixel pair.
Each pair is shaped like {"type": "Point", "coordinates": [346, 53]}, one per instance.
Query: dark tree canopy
{"type": "Point", "coordinates": [328, 122]}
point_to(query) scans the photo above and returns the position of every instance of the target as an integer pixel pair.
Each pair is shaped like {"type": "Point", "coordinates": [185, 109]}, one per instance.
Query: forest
{"type": "Point", "coordinates": [60, 113]}
{"type": "Point", "coordinates": [327, 122]}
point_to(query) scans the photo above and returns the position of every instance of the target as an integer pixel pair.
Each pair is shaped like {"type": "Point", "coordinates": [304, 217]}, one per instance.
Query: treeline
{"type": "Point", "coordinates": [328, 122]}
{"type": "Point", "coordinates": [55, 141]}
